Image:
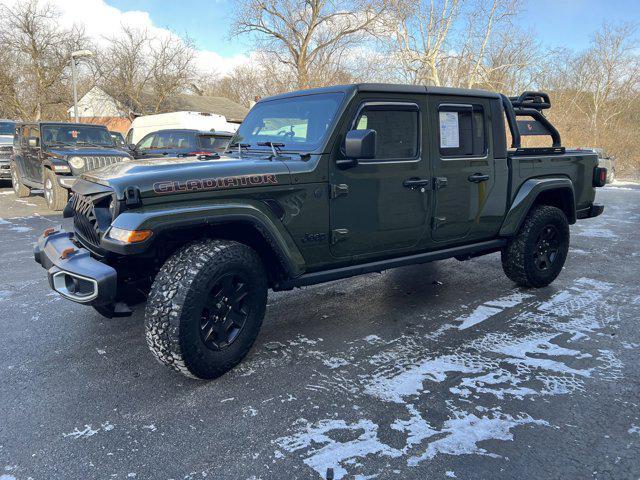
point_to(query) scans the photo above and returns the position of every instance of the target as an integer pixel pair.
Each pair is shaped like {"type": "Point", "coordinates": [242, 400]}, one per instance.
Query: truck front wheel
{"type": "Point", "coordinates": [55, 195]}
{"type": "Point", "coordinates": [536, 255]}
{"type": "Point", "coordinates": [206, 307]}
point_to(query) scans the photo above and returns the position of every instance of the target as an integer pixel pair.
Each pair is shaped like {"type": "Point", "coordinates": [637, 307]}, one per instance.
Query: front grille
{"type": "Point", "coordinates": [93, 162]}
{"type": "Point", "coordinates": [91, 216]}
{"type": "Point", "coordinates": [6, 151]}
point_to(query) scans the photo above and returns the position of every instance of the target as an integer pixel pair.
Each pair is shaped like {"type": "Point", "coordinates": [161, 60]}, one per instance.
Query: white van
{"type": "Point", "coordinates": [141, 126]}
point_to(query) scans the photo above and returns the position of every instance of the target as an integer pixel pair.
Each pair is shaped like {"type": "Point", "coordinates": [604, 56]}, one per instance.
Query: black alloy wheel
{"type": "Point", "coordinates": [547, 247]}
{"type": "Point", "coordinates": [225, 311]}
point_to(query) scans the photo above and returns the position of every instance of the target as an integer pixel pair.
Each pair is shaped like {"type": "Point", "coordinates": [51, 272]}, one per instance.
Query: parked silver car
{"type": "Point", "coordinates": [7, 130]}
{"type": "Point", "coordinates": [604, 160]}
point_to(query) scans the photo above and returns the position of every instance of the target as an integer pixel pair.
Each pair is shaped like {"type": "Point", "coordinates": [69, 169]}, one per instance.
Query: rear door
{"type": "Point", "coordinates": [464, 170]}
{"type": "Point", "coordinates": [372, 211]}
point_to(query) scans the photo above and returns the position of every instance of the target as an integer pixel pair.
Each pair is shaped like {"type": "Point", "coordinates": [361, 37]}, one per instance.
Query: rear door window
{"type": "Point", "coordinates": [173, 141]}
{"type": "Point", "coordinates": [461, 130]}
{"type": "Point", "coordinates": [212, 142]}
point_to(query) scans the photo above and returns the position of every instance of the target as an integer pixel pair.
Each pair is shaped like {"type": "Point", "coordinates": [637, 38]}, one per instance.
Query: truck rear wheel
{"type": "Point", "coordinates": [55, 195]}
{"type": "Point", "coordinates": [205, 307]}
{"type": "Point", "coordinates": [19, 188]}
{"type": "Point", "coordinates": [536, 255]}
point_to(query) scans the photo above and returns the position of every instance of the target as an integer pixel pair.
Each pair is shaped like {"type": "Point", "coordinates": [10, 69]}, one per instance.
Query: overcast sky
{"type": "Point", "coordinates": [568, 23]}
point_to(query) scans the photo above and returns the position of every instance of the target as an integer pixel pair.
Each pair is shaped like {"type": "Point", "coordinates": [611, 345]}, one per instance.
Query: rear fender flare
{"type": "Point", "coordinates": [527, 196]}
{"type": "Point", "coordinates": [255, 214]}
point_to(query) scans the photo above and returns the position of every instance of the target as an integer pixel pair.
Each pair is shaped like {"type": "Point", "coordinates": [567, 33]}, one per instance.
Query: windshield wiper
{"type": "Point", "coordinates": [273, 145]}
{"type": "Point", "coordinates": [240, 147]}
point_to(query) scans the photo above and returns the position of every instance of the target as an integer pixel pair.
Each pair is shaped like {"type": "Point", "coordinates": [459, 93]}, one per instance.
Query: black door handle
{"type": "Point", "coordinates": [478, 177]}
{"type": "Point", "coordinates": [415, 182]}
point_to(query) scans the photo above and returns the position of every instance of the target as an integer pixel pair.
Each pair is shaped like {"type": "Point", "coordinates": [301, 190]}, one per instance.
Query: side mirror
{"type": "Point", "coordinates": [34, 142]}
{"type": "Point", "coordinates": [132, 147]}
{"type": "Point", "coordinates": [359, 144]}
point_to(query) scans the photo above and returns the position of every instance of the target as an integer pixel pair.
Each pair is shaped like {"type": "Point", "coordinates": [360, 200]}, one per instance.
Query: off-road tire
{"type": "Point", "coordinates": [55, 195]}
{"type": "Point", "coordinates": [518, 257]}
{"type": "Point", "coordinates": [174, 309]}
{"type": "Point", "coordinates": [19, 188]}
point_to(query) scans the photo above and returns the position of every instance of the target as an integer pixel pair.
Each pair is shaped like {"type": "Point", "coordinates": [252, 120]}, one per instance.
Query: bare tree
{"type": "Point", "coordinates": [420, 31]}
{"type": "Point", "coordinates": [608, 76]}
{"type": "Point", "coordinates": [143, 71]}
{"type": "Point", "coordinates": [39, 49]}
{"type": "Point", "coordinates": [307, 36]}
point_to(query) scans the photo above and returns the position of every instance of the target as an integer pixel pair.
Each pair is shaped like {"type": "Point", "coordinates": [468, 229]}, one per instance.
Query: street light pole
{"type": "Point", "coordinates": [75, 56]}
{"type": "Point", "coordinates": [75, 88]}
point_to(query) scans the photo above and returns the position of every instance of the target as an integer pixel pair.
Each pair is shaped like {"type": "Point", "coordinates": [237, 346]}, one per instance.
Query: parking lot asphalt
{"type": "Point", "coordinates": [445, 370]}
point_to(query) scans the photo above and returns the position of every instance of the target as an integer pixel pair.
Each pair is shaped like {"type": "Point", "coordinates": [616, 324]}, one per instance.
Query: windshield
{"type": "Point", "coordinates": [7, 128]}
{"type": "Point", "coordinates": [300, 123]}
{"type": "Point", "coordinates": [117, 138]}
{"type": "Point", "coordinates": [76, 135]}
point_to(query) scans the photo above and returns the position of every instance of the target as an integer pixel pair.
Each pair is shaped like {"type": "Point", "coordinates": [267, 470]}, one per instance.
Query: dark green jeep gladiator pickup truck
{"type": "Point", "coordinates": [318, 185]}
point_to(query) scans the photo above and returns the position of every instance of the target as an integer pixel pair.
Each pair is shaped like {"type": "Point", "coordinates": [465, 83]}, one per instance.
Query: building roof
{"type": "Point", "coordinates": [181, 102]}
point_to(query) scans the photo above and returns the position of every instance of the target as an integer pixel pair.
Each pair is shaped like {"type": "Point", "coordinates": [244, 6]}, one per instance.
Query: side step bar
{"type": "Point", "coordinates": [464, 251]}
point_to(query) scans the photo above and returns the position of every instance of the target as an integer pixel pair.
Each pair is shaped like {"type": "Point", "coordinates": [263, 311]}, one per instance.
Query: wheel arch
{"type": "Point", "coordinates": [556, 192]}
{"type": "Point", "coordinates": [247, 224]}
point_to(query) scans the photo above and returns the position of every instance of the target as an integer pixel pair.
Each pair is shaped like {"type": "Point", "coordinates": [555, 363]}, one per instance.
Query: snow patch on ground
{"type": "Point", "coordinates": [88, 431]}
{"type": "Point", "coordinates": [325, 452]}
{"type": "Point", "coordinates": [491, 308]}
{"type": "Point", "coordinates": [595, 232]}
{"type": "Point", "coordinates": [536, 355]}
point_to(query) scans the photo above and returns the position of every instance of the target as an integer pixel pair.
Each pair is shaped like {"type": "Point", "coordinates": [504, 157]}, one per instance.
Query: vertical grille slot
{"type": "Point", "coordinates": [93, 162]}
{"type": "Point", "coordinates": [85, 219]}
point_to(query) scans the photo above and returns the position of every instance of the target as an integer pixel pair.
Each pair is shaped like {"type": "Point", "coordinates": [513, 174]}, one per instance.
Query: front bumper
{"type": "Point", "coordinates": [591, 211]}
{"type": "Point", "coordinates": [72, 272]}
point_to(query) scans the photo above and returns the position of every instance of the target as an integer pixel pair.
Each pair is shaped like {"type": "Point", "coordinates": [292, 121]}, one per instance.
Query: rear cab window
{"type": "Point", "coordinates": [461, 130]}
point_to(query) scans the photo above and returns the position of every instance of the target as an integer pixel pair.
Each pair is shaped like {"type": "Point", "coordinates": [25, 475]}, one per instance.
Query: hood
{"type": "Point", "coordinates": [84, 151]}
{"type": "Point", "coordinates": [167, 176]}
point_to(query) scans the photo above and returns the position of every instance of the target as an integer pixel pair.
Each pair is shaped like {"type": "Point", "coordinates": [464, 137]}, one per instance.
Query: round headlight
{"type": "Point", "coordinates": [76, 162]}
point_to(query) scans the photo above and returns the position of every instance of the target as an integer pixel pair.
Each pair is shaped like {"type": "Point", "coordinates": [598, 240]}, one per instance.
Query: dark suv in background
{"type": "Point", "coordinates": [183, 142]}
{"type": "Point", "coordinates": [51, 155]}
{"type": "Point", "coordinates": [7, 129]}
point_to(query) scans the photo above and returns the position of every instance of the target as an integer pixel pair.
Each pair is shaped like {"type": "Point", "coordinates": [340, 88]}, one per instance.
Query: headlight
{"type": "Point", "coordinates": [76, 162]}
{"type": "Point", "coordinates": [129, 236]}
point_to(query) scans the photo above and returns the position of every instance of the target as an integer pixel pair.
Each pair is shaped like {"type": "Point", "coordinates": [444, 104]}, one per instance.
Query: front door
{"type": "Point", "coordinates": [463, 166]}
{"type": "Point", "coordinates": [32, 157]}
{"type": "Point", "coordinates": [373, 208]}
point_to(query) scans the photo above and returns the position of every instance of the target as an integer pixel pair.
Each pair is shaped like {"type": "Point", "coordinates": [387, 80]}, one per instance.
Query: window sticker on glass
{"type": "Point", "coordinates": [449, 130]}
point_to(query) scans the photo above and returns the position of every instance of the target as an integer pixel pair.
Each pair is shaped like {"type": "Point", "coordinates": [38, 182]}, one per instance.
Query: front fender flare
{"type": "Point", "coordinates": [526, 197]}
{"type": "Point", "coordinates": [255, 213]}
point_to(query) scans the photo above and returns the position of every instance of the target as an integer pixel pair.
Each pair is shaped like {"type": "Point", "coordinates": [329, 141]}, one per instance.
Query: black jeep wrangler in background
{"type": "Point", "coordinates": [318, 185]}
{"type": "Point", "coordinates": [51, 156]}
